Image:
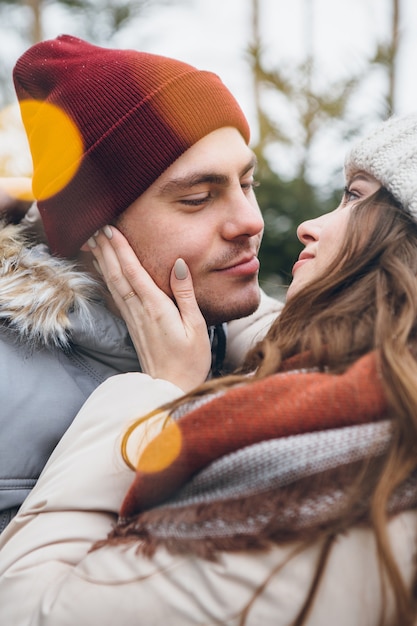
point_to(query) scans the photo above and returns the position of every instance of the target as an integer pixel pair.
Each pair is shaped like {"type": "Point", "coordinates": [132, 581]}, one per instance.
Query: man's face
{"type": "Point", "coordinates": [203, 209]}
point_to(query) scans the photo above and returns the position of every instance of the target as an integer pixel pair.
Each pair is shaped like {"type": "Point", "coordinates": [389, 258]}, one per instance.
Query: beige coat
{"type": "Point", "coordinates": [48, 577]}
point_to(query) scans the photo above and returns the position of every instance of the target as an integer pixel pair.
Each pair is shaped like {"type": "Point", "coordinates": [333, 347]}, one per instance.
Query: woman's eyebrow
{"type": "Point", "coordinates": [360, 176]}
{"type": "Point", "coordinates": [181, 183]}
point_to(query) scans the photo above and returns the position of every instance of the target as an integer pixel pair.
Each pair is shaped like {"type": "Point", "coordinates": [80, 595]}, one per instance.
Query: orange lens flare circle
{"type": "Point", "coordinates": [56, 146]}
{"type": "Point", "coordinates": [161, 451]}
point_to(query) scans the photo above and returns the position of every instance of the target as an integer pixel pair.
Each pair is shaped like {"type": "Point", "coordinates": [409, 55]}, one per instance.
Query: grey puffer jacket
{"type": "Point", "coordinates": [58, 342]}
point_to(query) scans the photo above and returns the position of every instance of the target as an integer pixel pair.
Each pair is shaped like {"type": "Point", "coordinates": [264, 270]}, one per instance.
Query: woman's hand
{"type": "Point", "coordinates": [171, 340]}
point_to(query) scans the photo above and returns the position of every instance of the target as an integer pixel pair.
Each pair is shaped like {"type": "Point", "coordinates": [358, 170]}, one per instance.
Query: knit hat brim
{"type": "Point", "coordinates": [389, 154]}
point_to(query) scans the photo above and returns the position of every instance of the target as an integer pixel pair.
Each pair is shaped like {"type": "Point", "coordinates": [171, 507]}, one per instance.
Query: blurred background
{"type": "Point", "coordinates": [311, 76]}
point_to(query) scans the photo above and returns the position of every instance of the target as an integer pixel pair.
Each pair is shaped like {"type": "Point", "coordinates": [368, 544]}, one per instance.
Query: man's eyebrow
{"type": "Point", "coordinates": [197, 178]}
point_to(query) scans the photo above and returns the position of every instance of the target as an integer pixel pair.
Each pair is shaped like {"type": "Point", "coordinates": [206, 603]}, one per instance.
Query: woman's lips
{"type": "Point", "coordinates": [302, 259]}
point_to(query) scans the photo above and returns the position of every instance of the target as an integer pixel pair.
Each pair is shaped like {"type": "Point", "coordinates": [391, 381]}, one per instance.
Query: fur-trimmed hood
{"type": "Point", "coordinates": [39, 291]}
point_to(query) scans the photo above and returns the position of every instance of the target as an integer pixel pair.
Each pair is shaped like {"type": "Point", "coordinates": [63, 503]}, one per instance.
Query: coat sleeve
{"type": "Point", "coordinates": [244, 333]}
{"type": "Point", "coordinates": [79, 493]}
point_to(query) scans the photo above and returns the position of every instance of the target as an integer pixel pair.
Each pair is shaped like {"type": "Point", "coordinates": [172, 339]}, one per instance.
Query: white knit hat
{"type": "Point", "coordinates": [389, 154]}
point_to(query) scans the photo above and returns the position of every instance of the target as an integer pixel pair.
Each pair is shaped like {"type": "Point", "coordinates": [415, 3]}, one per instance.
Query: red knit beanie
{"type": "Point", "coordinates": [104, 124]}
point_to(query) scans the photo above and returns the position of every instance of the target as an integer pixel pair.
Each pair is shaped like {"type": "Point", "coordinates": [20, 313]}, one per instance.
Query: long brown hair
{"type": "Point", "coordinates": [367, 300]}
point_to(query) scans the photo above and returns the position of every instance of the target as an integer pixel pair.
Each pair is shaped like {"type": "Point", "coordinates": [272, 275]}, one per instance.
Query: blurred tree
{"type": "Point", "coordinates": [287, 203]}
{"type": "Point", "coordinates": [311, 109]}
{"type": "Point", "coordinates": [100, 18]}
{"type": "Point", "coordinates": [95, 20]}
{"type": "Point", "coordinates": [386, 57]}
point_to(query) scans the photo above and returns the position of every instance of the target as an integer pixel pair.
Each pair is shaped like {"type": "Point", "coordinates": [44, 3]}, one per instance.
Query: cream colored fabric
{"type": "Point", "coordinates": [48, 577]}
{"type": "Point", "coordinates": [243, 334]}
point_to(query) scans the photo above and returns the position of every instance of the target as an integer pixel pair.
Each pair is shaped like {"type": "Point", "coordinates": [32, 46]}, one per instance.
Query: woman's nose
{"type": "Point", "coordinates": [308, 231]}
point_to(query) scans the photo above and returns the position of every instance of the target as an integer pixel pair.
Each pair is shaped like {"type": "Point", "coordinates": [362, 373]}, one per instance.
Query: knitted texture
{"type": "Point", "coordinates": [389, 153]}
{"type": "Point", "coordinates": [277, 491]}
{"type": "Point", "coordinates": [281, 405]}
{"type": "Point", "coordinates": [267, 462]}
{"type": "Point", "coordinates": [104, 124]}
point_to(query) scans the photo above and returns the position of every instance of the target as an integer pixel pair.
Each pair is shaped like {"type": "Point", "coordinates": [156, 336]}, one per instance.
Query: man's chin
{"type": "Point", "coordinates": [226, 312]}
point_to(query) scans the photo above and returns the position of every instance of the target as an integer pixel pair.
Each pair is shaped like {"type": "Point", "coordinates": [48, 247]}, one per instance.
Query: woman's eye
{"type": "Point", "coordinates": [349, 195]}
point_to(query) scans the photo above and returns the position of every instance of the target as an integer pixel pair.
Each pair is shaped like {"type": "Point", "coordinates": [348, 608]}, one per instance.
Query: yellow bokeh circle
{"type": "Point", "coordinates": [161, 451]}
{"type": "Point", "coordinates": [56, 146]}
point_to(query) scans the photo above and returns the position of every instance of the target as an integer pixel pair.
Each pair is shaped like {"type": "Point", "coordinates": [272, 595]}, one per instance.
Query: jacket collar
{"type": "Point", "coordinates": [39, 292]}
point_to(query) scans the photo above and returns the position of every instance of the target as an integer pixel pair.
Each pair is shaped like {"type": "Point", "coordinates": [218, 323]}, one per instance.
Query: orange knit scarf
{"type": "Point", "coordinates": [278, 406]}
{"type": "Point", "coordinates": [266, 462]}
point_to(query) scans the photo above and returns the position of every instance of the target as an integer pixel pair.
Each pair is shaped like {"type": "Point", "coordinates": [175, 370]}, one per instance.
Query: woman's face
{"type": "Point", "coordinates": [323, 236]}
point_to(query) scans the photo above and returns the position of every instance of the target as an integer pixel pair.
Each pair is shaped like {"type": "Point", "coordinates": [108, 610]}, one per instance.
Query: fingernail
{"type": "Point", "coordinates": [97, 266]}
{"type": "Point", "coordinates": [92, 242]}
{"type": "Point", "coordinates": [108, 232]}
{"type": "Point", "coordinates": [180, 269]}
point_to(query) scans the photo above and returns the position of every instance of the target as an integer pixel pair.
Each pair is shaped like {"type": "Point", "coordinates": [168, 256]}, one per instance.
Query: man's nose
{"type": "Point", "coordinates": [244, 219]}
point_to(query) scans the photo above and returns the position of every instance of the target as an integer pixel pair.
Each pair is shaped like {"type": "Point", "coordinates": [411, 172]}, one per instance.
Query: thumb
{"type": "Point", "coordinates": [183, 290]}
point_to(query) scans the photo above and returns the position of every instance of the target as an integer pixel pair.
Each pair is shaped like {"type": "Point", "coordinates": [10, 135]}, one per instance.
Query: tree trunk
{"type": "Point", "coordinates": [36, 32]}
{"type": "Point", "coordinates": [392, 73]}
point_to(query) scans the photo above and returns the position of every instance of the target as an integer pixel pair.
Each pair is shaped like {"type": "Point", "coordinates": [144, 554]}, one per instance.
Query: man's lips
{"type": "Point", "coordinates": [242, 267]}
